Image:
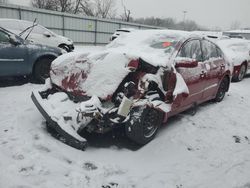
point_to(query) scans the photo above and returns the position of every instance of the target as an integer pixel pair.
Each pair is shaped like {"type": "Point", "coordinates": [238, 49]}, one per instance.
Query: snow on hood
{"type": "Point", "coordinates": [97, 73]}
{"type": "Point", "coordinates": [236, 50]}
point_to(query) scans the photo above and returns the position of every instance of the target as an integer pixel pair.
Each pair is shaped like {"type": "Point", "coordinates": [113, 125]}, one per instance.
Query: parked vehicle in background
{"type": "Point", "coordinates": [118, 32]}
{"type": "Point", "coordinates": [20, 57]}
{"type": "Point", "coordinates": [138, 81]}
{"type": "Point", "coordinates": [240, 33]}
{"type": "Point", "coordinates": [237, 52]}
{"type": "Point", "coordinates": [37, 33]}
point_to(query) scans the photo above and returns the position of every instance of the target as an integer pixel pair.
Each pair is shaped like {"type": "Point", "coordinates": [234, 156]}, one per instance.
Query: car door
{"type": "Point", "coordinates": [214, 67]}
{"type": "Point", "coordinates": [13, 57]}
{"type": "Point", "coordinates": [190, 53]}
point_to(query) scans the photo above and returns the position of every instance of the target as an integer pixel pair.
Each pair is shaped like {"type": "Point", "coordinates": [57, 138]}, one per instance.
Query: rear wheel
{"type": "Point", "coordinates": [41, 69]}
{"type": "Point", "coordinates": [240, 76]}
{"type": "Point", "coordinates": [222, 90]}
{"type": "Point", "coordinates": [143, 125]}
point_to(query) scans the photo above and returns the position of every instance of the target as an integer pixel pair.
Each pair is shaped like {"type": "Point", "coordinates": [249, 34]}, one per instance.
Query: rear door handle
{"type": "Point", "coordinates": [222, 66]}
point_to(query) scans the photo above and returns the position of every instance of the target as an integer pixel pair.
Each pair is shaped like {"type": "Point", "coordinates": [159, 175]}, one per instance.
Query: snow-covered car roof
{"type": "Point", "coordinates": [154, 46]}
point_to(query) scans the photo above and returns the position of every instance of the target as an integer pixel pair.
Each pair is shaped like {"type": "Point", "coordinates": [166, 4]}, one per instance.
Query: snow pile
{"type": "Point", "coordinates": [236, 50]}
{"type": "Point", "coordinates": [210, 149]}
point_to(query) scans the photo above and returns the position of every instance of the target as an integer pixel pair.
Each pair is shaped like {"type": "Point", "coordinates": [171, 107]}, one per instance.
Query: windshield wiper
{"type": "Point", "coordinates": [30, 27]}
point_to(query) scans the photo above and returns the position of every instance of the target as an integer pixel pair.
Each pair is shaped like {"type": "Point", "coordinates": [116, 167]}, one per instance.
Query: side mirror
{"type": "Point", "coordinates": [186, 64]}
{"type": "Point", "coordinates": [13, 40]}
{"type": "Point", "coordinates": [47, 34]}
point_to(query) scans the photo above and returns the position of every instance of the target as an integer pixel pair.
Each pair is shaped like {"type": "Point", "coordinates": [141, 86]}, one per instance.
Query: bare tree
{"type": "Point", "coordinates": [98, 8]}
{"type": "Point", "coordinates": [3, 1]}
{"type": "Point", "coordinates": [126, 14]}
{"type": "Point", "coordinates": [86, 8]}
{"type": "Point", "coordinates": [45, 4]}
{"type": "Point", "coordinates": [104, 8]}
{"type": "Point", "coordinates": [235, 25]}
{"type": "Point", "coordinates": [170, 23]}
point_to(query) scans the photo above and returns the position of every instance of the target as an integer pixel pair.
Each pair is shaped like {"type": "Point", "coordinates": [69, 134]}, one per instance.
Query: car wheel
{"type": "Point", "coordinates": [143, 124]}
{"type": "Point", "coordinates": [243, 70]}
{"type": "Point", "coordinates": [222, 90]}
{"type": "Point", "coordinates": [41, 69]}
{"type": "Point", "coordinates": [65, 47]}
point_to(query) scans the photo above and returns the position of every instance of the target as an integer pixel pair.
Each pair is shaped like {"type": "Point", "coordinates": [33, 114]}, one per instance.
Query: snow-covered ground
{"type": "Point", "coordinates": [208, 150]}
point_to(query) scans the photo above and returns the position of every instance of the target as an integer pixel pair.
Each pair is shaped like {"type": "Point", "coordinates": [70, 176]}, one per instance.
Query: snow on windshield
{"type": "Point", "coordinates": [154, 46]}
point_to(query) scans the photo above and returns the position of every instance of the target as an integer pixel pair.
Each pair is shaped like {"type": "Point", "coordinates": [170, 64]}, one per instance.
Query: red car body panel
{"type": "Point", "coordinates": [202, 81]}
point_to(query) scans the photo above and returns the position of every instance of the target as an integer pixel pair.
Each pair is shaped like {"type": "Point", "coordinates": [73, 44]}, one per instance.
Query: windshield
{"type": "Point", "coordinates": [153, 46]}
{"type": "Point", "coordinates": [148, 40]}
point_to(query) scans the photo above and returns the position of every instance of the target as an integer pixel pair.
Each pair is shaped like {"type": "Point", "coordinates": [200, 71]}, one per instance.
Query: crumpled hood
{"type": "Point", "coordinates": [89, 74]}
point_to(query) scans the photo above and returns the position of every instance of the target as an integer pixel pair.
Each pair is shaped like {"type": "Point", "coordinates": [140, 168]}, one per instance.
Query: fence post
{"type": "Point", "coordinates": [19, 13]}
{"type": "Point", "coordinates": [95, 42]}
{"type": "Point", "coordinates": [63, 25]}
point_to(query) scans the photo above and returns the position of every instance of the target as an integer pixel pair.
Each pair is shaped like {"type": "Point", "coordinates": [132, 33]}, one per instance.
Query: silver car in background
{"type": "Point", "coordinates": [37, 33]}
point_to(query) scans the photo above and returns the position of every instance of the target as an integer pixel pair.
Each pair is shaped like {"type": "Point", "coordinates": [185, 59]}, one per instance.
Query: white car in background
{"type": "Point", "coordinates": [236, 50]}
{"type": "Point", "coordinates": [238, 53]}
{"type": "Point", "coordinates": [37, 33]}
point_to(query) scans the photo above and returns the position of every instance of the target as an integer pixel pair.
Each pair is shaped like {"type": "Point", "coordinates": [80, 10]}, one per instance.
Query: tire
{"type": "Point", "coordinates": [143, 124]}
{"type": "Point", "coordinates": [222, 90]}
{"type": "Point", "coordinates": [41, 69]}
{"type": "Point", "coordinates": [242, 73]}
{"type": "Point", "coordinates": [65, 47]}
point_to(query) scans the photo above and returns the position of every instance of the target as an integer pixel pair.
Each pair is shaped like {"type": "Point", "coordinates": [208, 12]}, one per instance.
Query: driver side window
{"type": "Point", "coordinates": [4, 38]}
{"type": "Point", "coordinates": [191, 50]}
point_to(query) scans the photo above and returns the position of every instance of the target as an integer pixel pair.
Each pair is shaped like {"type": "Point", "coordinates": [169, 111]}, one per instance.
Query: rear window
{"type": "Point", "coordinates": [209, 50]}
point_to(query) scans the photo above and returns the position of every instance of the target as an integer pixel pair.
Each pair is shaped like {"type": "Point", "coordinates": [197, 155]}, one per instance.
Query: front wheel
{"type": "Point", "coordinates": [41, 69]}
{"type": "Point", "coordinates": [143, 124]}
{"type": "Point", "coordinates": [222, 90]}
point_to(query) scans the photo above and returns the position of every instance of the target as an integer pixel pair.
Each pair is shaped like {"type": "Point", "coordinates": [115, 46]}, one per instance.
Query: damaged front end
{"type": "Point", "coordinates": [69, 113]}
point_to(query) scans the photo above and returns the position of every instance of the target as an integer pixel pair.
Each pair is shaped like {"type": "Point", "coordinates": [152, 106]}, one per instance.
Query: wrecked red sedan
{"type": "Point", "coordinates": [137, 81]}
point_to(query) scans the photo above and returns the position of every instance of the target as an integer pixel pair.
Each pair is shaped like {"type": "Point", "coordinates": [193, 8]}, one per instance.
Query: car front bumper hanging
{"type": "Point", "coordinates": [64, 136]}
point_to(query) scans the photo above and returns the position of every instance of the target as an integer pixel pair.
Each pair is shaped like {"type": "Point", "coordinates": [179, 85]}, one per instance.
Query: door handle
{"type": "Point", "coordinates": [222, 66]}
{"type": "Point", "coordinates": [203, 74]}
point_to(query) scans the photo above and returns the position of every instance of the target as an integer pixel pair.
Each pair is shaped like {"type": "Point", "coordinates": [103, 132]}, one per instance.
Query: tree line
{"type": "Point", "coordinates": [107, 9]}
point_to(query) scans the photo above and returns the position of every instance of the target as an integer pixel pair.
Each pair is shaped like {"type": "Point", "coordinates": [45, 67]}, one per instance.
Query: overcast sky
{"type": "Point", "coordinates": [208, 13]}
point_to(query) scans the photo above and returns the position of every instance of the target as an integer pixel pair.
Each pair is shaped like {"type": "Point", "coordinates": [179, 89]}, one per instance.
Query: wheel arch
{"type": "Point", "coordinates": [42, 57]}
{"type": "Point", "coordinates": [227, 75]}
{"type": "Point", "coordinates": [62, 44]}
{"type": "Point", "coordinates": [244, 63]}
